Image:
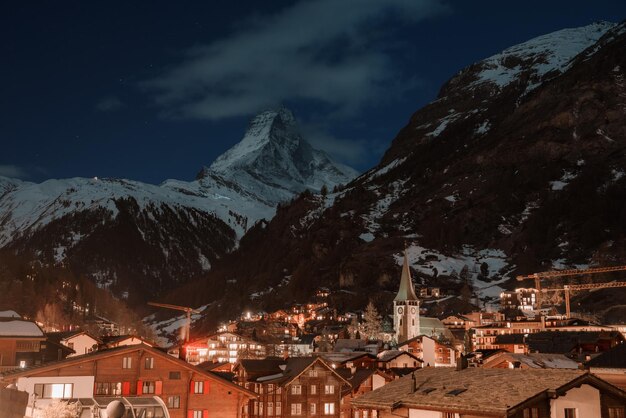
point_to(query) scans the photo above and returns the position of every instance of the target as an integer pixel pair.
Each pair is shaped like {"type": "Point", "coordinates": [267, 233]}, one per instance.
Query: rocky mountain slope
{"type": "Point", "coordinates": [139, 239]}
{"type": "Point", "coordinates": [518, 166]}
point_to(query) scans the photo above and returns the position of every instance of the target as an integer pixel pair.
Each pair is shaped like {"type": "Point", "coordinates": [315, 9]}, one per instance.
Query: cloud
{"type": "Point", "coordinates": [323, 51]}
{"type": "Point", "coordinates": [13, 171]}
{"type": "Point", "coordinates": [109, 104]}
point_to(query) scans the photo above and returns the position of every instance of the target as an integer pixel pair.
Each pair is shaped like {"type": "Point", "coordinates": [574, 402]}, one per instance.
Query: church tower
{"type": "Point", "coordinates": [406, 307]}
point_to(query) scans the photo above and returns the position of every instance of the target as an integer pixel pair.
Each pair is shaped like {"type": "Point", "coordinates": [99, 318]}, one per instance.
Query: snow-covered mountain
{"type": "Point", "coordinates": [516, 167]}
{"type": "Point", "coordinates": [127, 234]}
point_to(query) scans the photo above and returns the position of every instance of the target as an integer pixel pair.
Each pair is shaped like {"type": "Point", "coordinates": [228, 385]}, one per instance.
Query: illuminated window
{"type": "Point", "coordinates": [296, 390]}
{"type": "Point", "coordinates": [54, 390]}
{"type": "Point", "coordinates": [313, 389]}
{"type": "Point", "coordinates": [329, 389]}
{"type": "Point", "coordinates": [198, 387]}
{"type": "Point", "coordinates": [148, 387]}
{"type": "Point", "coordinates": [329, 408]}
{"type": "Point", "coordinates": [296, 409]}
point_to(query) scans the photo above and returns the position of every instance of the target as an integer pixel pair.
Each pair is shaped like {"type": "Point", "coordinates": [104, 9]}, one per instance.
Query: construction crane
{"type": "Point", "coordinates": [185, 309]}
{"type": "Point", "coordinates": [562, 273]}
{"type": "Point", "coordinates": [569, 287]}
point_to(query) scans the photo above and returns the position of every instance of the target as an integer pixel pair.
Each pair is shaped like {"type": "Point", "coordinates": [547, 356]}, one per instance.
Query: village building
{"type": "Point", "coordinates": [479, 392]}
{"type": "Point", "coordinates": [222, 347]}
{"type": "Point", "coordinates": [81, 342]}
{"type": "Point", "coordinates": [301, 386]}
{"type": "Point", "coordinates": [20, 342]}
{"type": "Point", "coordinates": [362, 380]}
{"type": "Point", "coordinates": [610, 366]}
{"type": "Point", "coordinates": [432, 352]}
{"type": "Point", "coordinates": [132, 370]}
{"type": "Point", "coordinates": [398, 359]}
{"type": "Point", "coordinates": [458, 322]}
{"type": "Point", "coordinates": [581, 345]}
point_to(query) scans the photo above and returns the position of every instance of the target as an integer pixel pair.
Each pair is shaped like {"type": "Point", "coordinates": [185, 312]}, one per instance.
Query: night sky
{"type": "Point", "coordinates": [154, 90]}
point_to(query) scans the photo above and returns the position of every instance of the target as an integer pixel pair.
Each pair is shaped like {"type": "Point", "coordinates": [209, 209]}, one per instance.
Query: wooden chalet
{"type": "Point", "coordinates": [134, 370]}
{"type": "Point", "coordinates": [299, 386]}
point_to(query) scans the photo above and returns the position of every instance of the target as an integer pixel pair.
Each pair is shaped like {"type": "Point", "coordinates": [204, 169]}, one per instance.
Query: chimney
{"type": "Point", "coordinates": [285, 353]}
{"type": "Point", "coordinates": [413, 383]}
{"type": "Point", "coordinates": [461, 363]}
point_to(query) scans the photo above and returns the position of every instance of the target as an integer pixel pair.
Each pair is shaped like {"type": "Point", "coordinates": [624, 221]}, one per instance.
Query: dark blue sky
{"type": "Point", "coordinates": [154, 90]}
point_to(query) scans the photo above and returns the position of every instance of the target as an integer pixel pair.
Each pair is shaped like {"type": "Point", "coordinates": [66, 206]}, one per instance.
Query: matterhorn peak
{"type": "Point", "coordinates": [275, 162]}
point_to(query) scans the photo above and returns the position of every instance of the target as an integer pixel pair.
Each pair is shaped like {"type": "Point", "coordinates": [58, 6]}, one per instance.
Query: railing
{"type": "Point", "coordinates": [7, 368]}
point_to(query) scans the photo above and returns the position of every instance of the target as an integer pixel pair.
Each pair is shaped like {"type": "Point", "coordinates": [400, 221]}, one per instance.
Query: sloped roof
{"type": "Point", "coordinates": [10, 327]}
{"type": "Point", "coordinates": [10, 314]}
{"type": "Point", "coordinates": [406, 290]}
{"type": "Point", "coordinates": [615, 358]}
{"type": "Point", "coordinates": [64, 335]}
{"type": "Point", "coordinates": [534, 360]}
{"type": "Point", "coordinates": [389, 355]}
{"type": "Point", "coordinates": [493, 391]}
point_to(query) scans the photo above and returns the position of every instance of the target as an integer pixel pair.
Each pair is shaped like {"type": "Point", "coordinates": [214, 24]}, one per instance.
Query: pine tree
{"type": "Point", "coordinates": [372, 325]}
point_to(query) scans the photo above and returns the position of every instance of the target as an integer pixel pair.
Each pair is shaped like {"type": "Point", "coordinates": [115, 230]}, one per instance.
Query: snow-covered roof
{"type": "Point", "coordinates": [19, 328]}
{"type": "Point", "coordinates": [9, 314]}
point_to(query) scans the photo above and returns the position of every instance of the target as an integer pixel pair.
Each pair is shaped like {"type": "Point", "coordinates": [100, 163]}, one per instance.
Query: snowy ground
{"type": "Point", "coordinates": [430, 263]}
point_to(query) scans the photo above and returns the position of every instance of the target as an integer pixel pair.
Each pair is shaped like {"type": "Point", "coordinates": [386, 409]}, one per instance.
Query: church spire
{"type": "Point", "coordinates": [406, 290]}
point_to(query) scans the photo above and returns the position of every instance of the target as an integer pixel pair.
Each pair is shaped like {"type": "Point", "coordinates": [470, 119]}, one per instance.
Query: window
{"type": "Point", "coordinates": [448, 415]}
{"type": "Point", "coordinates": [329, 408]}
{"type": "Point", "coordinates": [616, 412]}
{"type": "Point", "coordinates": [279, 408]}
{"type": "Point", "coordinates": [270, 409]}
{"type": "Point", "coordinates": [329, 389]}
{"type": "Point", "coordinates": [116, 388]}
{"type": "Point", "coordinates": [296, 409]}
{"type": "Point", "coordinates": [197, 414]}
{"type": "Point", "coordinates": [313, 373]}
{"type": "Point", "coordinates": [149, 363]}
{"type": "Point", "coordinates": [313, 409]}
{"type": "Point", "coordinates": [148, 387]}
{"type": "Point", "coordinates": [296, 390]}
{"type": "Point", "coordinates": [54, 390]}
{"type": "Point", "coordinates": [127, 362]}
{"type": "Point", "coordinates": [570, 413]}
{"type": "Point", "coordinates": [198, 387]}
{"type": "Point", "coordinates": [102, 388]}
{"type": "Point", "coordinates": [313, 390]}
{"type": "Point", "coordinates": [531, 413]}
{"type": "Point", "coordinates": [70, 345]}
{"type": "Point", "coordinates": [279, 390]}
{"type": "Point", "coordinates": [173, 402]}
{"type": "Point", "coordinates": [261, 408]}
{"type": "Point", "coordinates": [270, 388]}
{"type": "Point", "coordinates": [175, 375]}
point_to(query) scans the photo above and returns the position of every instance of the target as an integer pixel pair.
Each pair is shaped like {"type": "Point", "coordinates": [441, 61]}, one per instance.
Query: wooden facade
{"type": "Point", "coordinates": [140, 370]}
{"type": "Point", "coordinates": [314, 390]}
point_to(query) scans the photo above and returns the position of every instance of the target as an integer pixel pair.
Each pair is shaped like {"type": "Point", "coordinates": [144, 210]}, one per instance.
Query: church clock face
{"type": "Point", "coordinates": [413, 310]}
{"type": "Point", "coordinates": [400, 311]}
